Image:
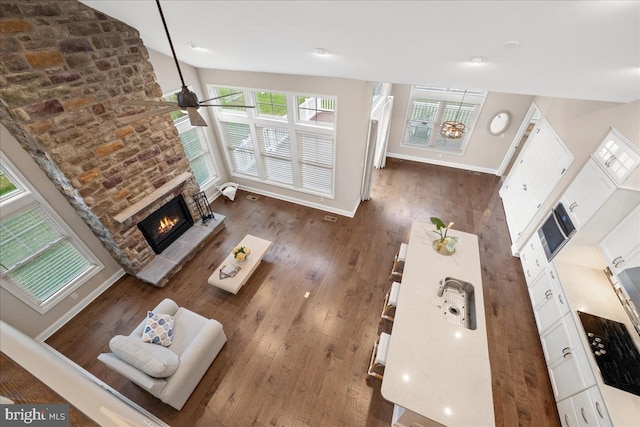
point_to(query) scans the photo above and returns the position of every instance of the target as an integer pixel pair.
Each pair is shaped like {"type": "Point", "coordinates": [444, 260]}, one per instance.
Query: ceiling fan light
{"type": "Point", "coordinates": [187, 98]}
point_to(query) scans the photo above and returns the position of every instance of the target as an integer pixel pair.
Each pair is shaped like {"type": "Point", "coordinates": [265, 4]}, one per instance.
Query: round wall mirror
{"type": "Point", "coordinates": [499, 123]}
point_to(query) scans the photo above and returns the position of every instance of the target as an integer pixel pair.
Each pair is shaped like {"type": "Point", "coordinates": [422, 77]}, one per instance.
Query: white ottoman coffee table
{"type": "Point", "coordinates": [233, 284]}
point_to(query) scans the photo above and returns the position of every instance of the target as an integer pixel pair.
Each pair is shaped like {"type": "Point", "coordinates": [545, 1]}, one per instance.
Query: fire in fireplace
{"type": "Point", "coordinates": [165, 225]}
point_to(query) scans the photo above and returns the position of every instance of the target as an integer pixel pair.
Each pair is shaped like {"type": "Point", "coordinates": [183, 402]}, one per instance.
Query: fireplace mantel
{"type": "Point", "coordinates": [149, 199]}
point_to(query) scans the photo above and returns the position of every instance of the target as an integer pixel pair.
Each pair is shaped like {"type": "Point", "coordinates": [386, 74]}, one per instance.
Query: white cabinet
{"type": "Point", "coordinates": [584, 409]}
{"type": "Point", "coordinates": [548, 299]}
{"type": "Point", "coordinates": [533, 259]}
{"type": "Point", "coordinates": [567, 360]}
{"type": "Point", "coordinates": [621, 248]}
{"type": "Point", "coordinates": [538, 169]}
{"type": "Point", "coordinates": [619, 156]}
{"type": "Point", "coordinates": [587, 193]}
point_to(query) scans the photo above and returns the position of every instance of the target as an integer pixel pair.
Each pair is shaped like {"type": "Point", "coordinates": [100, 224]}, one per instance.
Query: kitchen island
{"type": "Point", "coordinates": [436, 369]}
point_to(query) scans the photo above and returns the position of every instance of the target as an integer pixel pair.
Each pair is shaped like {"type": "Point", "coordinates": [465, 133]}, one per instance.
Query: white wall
{"type": "Point", "coordinates": [12, 310]}
{"type": "Point", "coordinates": [484, 153]}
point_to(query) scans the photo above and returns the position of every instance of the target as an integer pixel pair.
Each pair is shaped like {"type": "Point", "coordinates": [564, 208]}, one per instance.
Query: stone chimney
{"type": "Point", "coordinates": [65, 70]}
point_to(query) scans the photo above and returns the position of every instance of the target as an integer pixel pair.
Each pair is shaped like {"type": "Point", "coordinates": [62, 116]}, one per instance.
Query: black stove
{"type": "Point", "coordinates": [615, 352]}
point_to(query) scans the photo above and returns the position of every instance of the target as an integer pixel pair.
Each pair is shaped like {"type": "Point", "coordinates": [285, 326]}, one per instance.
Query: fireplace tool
{"type": "Point", "coordinates": [203, 207]}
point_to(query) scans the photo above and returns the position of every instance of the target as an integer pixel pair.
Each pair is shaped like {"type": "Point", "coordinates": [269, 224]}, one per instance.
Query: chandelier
{"type": "Point", "coordinates": [453, 129]}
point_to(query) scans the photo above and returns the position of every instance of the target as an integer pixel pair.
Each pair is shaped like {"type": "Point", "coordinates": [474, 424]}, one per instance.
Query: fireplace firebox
{"type": "Point", "coordinates": [165, 225]}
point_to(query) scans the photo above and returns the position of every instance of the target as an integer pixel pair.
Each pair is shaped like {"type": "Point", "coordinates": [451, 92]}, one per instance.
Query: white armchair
{"type": "Point", "coordinates": [169, 373]}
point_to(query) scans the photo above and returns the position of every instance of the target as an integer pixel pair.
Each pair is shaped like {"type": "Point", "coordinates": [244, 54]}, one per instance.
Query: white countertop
{"type": "Point", "coordinates": [587, 289]}
{"type": "Point", "coordinates": [435, 368]}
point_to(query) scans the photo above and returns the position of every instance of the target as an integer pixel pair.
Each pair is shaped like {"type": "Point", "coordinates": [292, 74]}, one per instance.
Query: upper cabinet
{"type": "Point", "coordinates": [618, 156]}
{"type": "Point", "coordinates": [537, 171]}
{"type": "Point", "coordinates": [589, 190]}
{"type": "Point", "coordinates": [621, 248]}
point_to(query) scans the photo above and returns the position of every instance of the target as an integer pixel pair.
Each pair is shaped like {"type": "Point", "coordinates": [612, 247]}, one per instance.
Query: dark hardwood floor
{"type": "Point", "coordinates": [291, 361]}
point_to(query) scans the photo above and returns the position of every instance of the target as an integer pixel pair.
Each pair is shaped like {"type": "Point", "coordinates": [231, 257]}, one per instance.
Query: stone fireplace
{"type": "Point", "coordinates": [65, 70]}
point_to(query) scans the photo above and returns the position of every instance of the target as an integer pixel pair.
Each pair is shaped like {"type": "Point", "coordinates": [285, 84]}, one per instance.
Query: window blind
{"type": "Point", "coordinates": [276, 150]}
{"type": "Point", "coordinates": [316, 157]}
{"type": "Point", "coordinates": [239, 144]}
{"type": "Point", "coordinates": [36, 256]}
{"type": "Point", "coordinates": [194, 143]}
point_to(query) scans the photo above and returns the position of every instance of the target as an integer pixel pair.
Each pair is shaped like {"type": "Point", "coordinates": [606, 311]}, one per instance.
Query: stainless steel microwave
{"type": "Point", "coordinates": [556, 230]}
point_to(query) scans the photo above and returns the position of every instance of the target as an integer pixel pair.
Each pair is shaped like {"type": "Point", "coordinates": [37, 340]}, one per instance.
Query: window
{"type": "Point", "coordinates": [196, 147]}
{"type": "Point", "coordinates": [287, 140]}
{"type": "Point", "coordinates": [273, 105]}
{"type": "Point", "coordinates": [430, 107]}
{"type": "Point", "coordinates": [316, 110]}
{"type": "Point", "coordinates": [316, 161]}
{"type": "Point", "coordinates": [41, 260]}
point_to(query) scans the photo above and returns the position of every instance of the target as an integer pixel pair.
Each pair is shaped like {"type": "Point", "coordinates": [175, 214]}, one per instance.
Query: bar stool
{"type": "Point", "coordinates": [398, 261]}
{"type": "Point", "coordinates": [390, 301]}
{"type": "Point", "coordinates": [378, 356]}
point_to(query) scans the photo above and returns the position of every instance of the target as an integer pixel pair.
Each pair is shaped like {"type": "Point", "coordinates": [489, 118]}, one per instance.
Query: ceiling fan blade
{"type": "Point", "coordinates": [195, 118]}
{"type": "Point", "coordinates": [145, 102]}
{"type": "Point", "coordinates": [133, 117]}
{"type": "Point", "coordinates": [221, 96]}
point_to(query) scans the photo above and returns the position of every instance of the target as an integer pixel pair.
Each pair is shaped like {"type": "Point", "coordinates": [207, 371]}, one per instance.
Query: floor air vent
{"type": "Point", "coordinates": [252, 197]}
{"type": "Point", "coordinates": [330, 218]}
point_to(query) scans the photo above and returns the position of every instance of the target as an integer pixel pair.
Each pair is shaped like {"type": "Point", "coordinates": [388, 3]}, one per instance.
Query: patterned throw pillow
{"type": "Point", "coordinates": [159, 329]}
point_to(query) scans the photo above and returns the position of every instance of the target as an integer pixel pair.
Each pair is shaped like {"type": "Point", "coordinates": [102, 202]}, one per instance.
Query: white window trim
{"type": "Point", "coordinates": [29, 198]}
{"type": "Point", "coordinates": [443, 94]}
{"type": "Point", "coordinates": [292, 124]}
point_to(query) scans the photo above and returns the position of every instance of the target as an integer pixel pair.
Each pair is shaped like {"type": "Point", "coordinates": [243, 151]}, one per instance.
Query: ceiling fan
{"type": "Point", "coordinates": [187, 99]}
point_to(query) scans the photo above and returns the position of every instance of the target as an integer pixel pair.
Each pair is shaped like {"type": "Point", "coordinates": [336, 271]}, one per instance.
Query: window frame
{"type": "Point", "coordinates": [289, 123]}
{"type": "Point", "coordinates": [27, 199]}
{"type": "Point", "coordinates": [444, 97]}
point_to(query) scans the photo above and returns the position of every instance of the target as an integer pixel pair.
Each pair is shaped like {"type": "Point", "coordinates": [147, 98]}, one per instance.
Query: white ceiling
{"type": "Point", "coordinates": [568, 49]}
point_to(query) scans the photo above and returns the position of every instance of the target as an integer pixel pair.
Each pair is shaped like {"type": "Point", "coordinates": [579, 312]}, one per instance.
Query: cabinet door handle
{"type": "Point", "coordinates": [528, 274]}
{"type": "Point", "coordinates": [584, 417]}
{"type": "Point", "coordinates": [572, 206]}
{"type": "Point", "coordinates": [548, 294]}
{"type": "Point", "coordinates": [599, 410]}
{"type": "Point", "coordinates": [566, 353]}
{"type": "Point", "coordinates": [552, 275]}
{"type": "Point", "coordinates": [560, 298]}
{"type": "Point", "coordinates": [524, 186]}
{"type": "Point", "coordinates": [619, 263]}
{"type": "Point", "coordinates": [616, 259]}
{"type": "Point", "coordinates": [538, 262]}
{"type": "Point", "coordinates": [566, 420]}
{"type": "Point", "coordinates": [609, 161]}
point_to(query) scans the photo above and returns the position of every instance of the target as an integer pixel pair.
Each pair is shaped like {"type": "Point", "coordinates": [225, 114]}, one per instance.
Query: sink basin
{"type": "Point", "coordinates": [457, 302]}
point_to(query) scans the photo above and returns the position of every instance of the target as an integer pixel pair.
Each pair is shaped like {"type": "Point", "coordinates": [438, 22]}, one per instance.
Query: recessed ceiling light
{"type": "Point", "coordinates": [320, 51]}
{"type": "Point", "coordinates": [511, 44]}
{"type": "Point", "coordinates": [477, 59]}
{"type": "Point", "coordinates": [196, 47]}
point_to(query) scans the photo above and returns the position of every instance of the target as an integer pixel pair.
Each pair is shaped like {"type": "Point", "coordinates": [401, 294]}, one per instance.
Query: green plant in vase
{"type": "Point", "coordinates": [445, 244]}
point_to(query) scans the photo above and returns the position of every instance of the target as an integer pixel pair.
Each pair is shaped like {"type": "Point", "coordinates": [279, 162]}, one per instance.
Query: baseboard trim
{"type": "Point", "coordinates": [442, 163]}
{"type": "Point", "coordinates": [306, 203]}
{"type": "Point", "coordinates": [80, 306]}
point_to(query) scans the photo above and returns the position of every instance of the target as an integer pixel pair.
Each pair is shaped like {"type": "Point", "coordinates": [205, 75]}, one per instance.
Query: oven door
{"type": "Point", "coordinates": [555, 232]}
